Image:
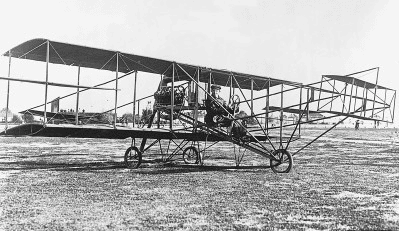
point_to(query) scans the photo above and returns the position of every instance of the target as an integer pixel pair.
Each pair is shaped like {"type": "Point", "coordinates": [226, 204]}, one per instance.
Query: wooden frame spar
{"type": "Point", "coordinates": [184, 95]}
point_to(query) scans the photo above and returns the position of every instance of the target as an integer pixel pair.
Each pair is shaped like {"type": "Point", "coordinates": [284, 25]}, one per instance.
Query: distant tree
{"type": "Point", "coordinates": [28, 118]}
{"type": "Point", "coordinates": [137, 118]}
{"type": "Point", "coordinates": [145, 116]}
{"type": "Point", "coordinates": [16, 119]}
{"type": "Point", "coordinates": [105, 118]}
{"type": "Point", "coordinates": [128, 117]}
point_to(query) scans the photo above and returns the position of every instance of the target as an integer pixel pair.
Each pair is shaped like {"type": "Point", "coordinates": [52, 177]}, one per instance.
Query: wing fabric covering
{"type": "Point", "coordinates": [89, 57]}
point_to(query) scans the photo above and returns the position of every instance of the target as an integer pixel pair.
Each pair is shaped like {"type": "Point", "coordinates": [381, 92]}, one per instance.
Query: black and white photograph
{"type": "Point", "coordinates": [199, 115]}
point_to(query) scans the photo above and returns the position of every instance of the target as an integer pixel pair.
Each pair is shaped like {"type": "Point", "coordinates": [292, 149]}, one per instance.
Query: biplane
{"type": "Point", "coordinates": [253, 116]}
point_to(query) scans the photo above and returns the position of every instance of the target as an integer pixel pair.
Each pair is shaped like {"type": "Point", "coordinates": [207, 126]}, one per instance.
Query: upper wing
{"type": "Point", "coordinates": [83, 56]}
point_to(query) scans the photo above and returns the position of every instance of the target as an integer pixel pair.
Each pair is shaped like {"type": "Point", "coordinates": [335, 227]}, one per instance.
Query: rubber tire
{"type": "Point", "coordinates": [188, 158]}
{"type": "Point", "coordinates": [282, 154]}
{"type": "Point", "coordinates": [132, 161]}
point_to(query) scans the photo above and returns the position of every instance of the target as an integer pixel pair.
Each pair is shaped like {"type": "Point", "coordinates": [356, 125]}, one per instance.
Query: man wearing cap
{"type": "Point", "coordinates": [215, 89]}
{"type": "Point", "coordinates": [216, 109]}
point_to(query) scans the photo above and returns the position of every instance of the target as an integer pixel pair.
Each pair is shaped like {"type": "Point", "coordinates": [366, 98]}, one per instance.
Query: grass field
{"type": "Point", "coordinates": [346, 181]}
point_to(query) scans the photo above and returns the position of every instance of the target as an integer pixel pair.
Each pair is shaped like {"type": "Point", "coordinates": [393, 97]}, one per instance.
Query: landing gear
{"type": "Point", "coordinates": [282, 162]}
{"type": "Point", "coordinates": [191, 155]}
{"type": "Point", "coordinates": [132, 157]}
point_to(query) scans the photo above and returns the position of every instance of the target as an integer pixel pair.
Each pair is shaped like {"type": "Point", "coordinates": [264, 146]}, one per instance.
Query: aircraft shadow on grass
{"type": "Point", "coordinates": [148, 167]}
{"type": "Point", "coordinates": [59, 166]}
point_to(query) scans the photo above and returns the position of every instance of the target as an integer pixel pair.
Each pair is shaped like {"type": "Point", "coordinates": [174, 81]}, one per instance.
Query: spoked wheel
{"type": "Point", "coordinates": [132, 157]}
{"type": "Point", "coordinates": [190, 155]}
{"type": "Point", "coordinates": [284, 161]}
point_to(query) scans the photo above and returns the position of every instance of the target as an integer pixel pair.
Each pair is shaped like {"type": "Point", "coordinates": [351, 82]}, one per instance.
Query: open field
{"type": "Point", "coordinates": [347, 180]}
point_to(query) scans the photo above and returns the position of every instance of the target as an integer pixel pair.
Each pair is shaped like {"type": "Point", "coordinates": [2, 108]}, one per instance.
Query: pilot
{"type": "Point", "coordinates": [216, 112]}
{"type": "Point", "coordinates": [215, 92]}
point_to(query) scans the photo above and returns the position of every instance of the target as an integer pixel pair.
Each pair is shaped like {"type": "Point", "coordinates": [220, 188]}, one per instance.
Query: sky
{"type": "Point", "coordinates": [292, 40]}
